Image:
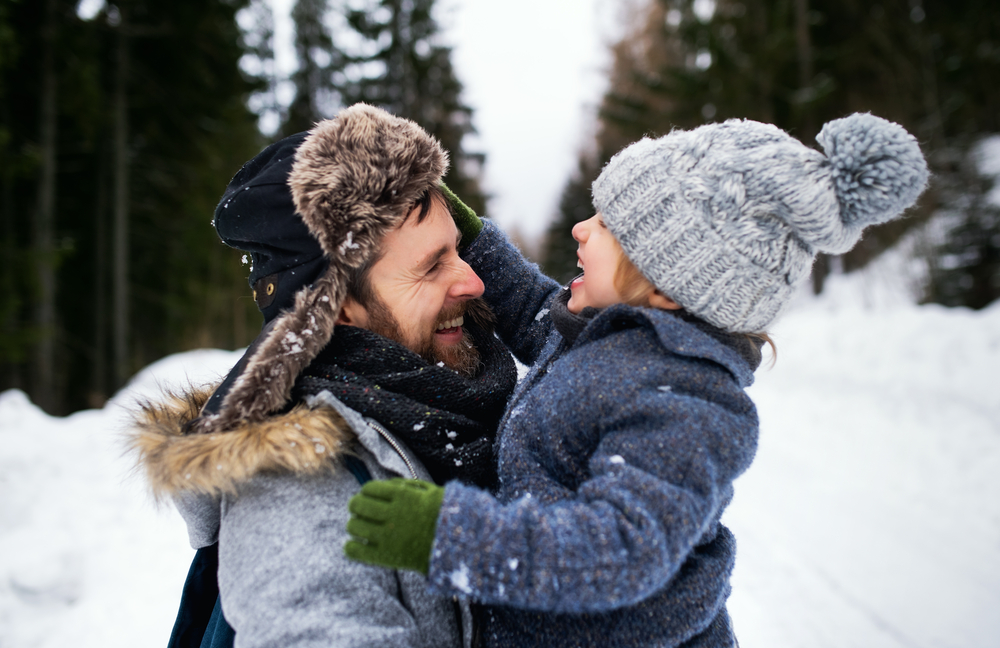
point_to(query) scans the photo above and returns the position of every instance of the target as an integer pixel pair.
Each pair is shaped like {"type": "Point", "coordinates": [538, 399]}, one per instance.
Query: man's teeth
{"type": "Point", "coordinates": [458, 321]}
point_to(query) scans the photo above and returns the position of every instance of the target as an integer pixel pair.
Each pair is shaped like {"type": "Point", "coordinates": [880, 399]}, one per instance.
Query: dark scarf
{"type": "Point", "coordinates": [569, 324]}
{"type": "Point", "coordinates": [447, 420]}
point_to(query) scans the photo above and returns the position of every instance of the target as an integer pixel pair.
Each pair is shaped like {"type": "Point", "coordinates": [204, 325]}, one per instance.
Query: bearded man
{"type": "Point", "coordinates": [376, 360]}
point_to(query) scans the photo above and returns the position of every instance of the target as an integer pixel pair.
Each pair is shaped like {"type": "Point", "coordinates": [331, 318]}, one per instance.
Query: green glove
{"type": "Point", "coordinates": [465, 219]}
{"type": "Point", "coordinates": [393, 522]}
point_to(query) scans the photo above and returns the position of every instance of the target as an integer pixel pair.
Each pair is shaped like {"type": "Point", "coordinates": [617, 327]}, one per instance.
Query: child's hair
{"type": "Point", "coordinates": [631, 284]}
{"type": "Point", "coordinates": [635, 289]}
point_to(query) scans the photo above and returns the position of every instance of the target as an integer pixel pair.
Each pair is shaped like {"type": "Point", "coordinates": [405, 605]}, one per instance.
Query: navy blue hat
{"type": "Point", "coordinates": [257, 215]}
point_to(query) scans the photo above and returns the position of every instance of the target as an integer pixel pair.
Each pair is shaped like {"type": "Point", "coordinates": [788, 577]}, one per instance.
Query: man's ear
{"type": "Point", "coordinates": [352, 314]}
{"type": "Point", "coordinates": [661, 301]}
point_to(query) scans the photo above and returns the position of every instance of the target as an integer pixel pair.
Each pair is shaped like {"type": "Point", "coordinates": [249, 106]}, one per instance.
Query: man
{"type": "Point", "coordinates": [375, 361]}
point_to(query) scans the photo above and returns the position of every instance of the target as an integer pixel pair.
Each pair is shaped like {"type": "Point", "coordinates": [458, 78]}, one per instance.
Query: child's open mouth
{"type": "Point", "coordinates": [579, 279]}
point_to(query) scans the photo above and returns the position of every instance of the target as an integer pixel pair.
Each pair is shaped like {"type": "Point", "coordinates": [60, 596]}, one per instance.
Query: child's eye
{"type": "Point", "coordinates": [601, 223]}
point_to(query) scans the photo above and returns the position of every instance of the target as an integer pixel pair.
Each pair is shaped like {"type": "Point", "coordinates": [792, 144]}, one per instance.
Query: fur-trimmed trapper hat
{"type": "Point", "coordinates": [310, 209]}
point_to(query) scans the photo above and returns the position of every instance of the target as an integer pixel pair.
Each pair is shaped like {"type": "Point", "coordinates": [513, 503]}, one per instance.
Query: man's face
{"type": "Point", "coordinates": [422, 288]}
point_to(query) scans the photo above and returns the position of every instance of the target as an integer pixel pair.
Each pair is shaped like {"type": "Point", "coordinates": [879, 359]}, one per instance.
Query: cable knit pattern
{"type": "Point", "coordinates": [726, 219]}
{"type": "Point", "coordinates": [616, 461]}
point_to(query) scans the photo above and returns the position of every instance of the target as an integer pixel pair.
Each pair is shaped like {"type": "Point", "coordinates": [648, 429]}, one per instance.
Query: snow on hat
{"type": "Point", "coordinates": [310, 209]}
{"type": "Point", "coordinates": [726, 219]}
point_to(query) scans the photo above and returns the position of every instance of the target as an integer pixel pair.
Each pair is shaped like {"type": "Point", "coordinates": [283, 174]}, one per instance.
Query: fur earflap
{"type": "Point", "coordinates": [355, 177]}
{"type": "Point", "coordinates": [302, 441]}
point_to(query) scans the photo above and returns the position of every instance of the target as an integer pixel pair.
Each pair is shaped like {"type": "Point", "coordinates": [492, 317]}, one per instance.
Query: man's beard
{"type": "Point", "coordinates": [463, 357]}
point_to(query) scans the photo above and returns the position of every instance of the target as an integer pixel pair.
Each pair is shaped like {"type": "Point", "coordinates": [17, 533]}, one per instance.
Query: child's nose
{"type": "Point", "coordinates": [580, 231]}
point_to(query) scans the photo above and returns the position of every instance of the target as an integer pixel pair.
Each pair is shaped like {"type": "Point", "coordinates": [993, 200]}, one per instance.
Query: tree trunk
{"type": "Point", "coordinates": [807, 130]}
{"type": "Point", "coordinates": [9, 304]}
{"type": "Point", "coordinates": [121, 208]}
{"type": "Point", "coordinates": [99, 376]}
{"type": "Point", "coordinates": [804, 49]}
{"type": "Point", "coordinates": [45, 313]}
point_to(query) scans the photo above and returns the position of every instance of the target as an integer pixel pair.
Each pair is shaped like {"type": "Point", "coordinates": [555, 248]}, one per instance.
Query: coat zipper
{"type": "Point", "coordinates": [395, 446]}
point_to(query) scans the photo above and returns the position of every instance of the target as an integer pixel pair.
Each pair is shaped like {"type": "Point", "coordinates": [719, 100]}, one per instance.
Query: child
{"type": "Point", "coordinates": [618, 452]}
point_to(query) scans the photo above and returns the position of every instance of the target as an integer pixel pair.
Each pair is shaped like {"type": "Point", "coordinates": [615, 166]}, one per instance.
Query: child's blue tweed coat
{"type": "Point", "coordinates": [616, 460]}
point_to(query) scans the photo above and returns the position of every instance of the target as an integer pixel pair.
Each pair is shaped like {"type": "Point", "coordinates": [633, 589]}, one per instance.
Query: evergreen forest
{"type": "Point", "coordinates": [122, 122]}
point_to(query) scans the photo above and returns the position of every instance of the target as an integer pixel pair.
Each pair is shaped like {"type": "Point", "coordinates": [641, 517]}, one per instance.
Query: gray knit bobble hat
{"type": "Point", "coordinates": [726, 219]}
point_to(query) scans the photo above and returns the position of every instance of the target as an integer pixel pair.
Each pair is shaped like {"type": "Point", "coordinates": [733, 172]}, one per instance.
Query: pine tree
{"type": "Point", "coordinates": [316, 95]}
{"type": "Point", "coordinates": [186, 129]}
{"type": "Point", "coordinates": [401, 66]}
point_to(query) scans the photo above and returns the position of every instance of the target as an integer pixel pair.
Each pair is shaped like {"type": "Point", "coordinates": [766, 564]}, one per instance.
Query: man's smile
{"type": "Point", "coordinates": [450, 331]}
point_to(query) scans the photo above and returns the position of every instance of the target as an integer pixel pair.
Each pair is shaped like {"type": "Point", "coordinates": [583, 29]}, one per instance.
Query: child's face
{"type": "Point", "coordinates": [598, 255]}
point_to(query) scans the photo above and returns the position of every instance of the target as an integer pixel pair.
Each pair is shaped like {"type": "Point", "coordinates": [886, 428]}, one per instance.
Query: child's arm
{"type": "Point", "coordinates": [516, 289]}
{"type": "Point", "coordinates": [621, 539]}
{"type": "Point", "coordinates": [653, 495]}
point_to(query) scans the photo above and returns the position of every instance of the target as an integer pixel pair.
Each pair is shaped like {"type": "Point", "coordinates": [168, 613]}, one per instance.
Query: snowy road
{"type": "Point", "coordinates": [871, 516]}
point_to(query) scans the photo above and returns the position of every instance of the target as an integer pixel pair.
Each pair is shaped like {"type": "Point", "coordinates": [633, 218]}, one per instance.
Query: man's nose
{"type": "Point", "coordinates": [468, 284]}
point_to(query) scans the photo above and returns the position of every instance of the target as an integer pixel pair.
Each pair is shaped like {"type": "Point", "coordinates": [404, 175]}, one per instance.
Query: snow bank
{"type": "Point", "coordinates": [870, 518]}
{"type": "Point", "coordinates": [86, 558]}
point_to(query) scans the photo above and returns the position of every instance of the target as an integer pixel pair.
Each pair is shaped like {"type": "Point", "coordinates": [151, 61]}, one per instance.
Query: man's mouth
{"type": "Point", "coordinates": [451, 326]}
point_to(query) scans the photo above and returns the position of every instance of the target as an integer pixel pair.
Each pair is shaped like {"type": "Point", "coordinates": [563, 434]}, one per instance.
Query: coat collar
{"type": "Point", "coordinates": [683, 334]}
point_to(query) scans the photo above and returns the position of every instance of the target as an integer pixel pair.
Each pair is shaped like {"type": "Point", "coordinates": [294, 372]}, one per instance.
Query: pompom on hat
{"type": "Point", "coordinates": [726, 219]}
{"type": "Point", "coordinates": [310, 209]}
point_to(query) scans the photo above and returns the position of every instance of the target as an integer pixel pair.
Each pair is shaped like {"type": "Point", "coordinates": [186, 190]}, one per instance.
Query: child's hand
{"type": "Point", "coordinates": [465, 219]}
{"type": "Point", "coordinates": [393, 522]}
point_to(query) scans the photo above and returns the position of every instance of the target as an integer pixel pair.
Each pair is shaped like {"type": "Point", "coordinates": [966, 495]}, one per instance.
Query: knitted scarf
{"type": "Point", "coordinates": [447, 420]}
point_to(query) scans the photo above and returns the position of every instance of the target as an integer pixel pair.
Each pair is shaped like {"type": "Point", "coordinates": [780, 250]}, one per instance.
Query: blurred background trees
{"type": "Point", "coordinates": [121, 123]}
{"type": "Point", "coordinates": [119, 131]}
{"type": "Point", "coordinates": [117, 134]}
{"type": "Point", "coordinates": [930, 65]}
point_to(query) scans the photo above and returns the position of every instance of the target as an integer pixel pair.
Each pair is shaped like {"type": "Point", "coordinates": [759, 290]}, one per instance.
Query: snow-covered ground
{"type": "Point", "coordinates": [871, 517]}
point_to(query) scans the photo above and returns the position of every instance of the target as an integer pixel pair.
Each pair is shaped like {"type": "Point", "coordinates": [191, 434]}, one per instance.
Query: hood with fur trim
{"type": "Point", "coordinates": [304, 440]}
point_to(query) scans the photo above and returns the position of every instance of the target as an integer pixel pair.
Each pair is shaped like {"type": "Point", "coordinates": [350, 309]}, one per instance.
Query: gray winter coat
{"type": "Point", "coordinates": [275, 498]}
